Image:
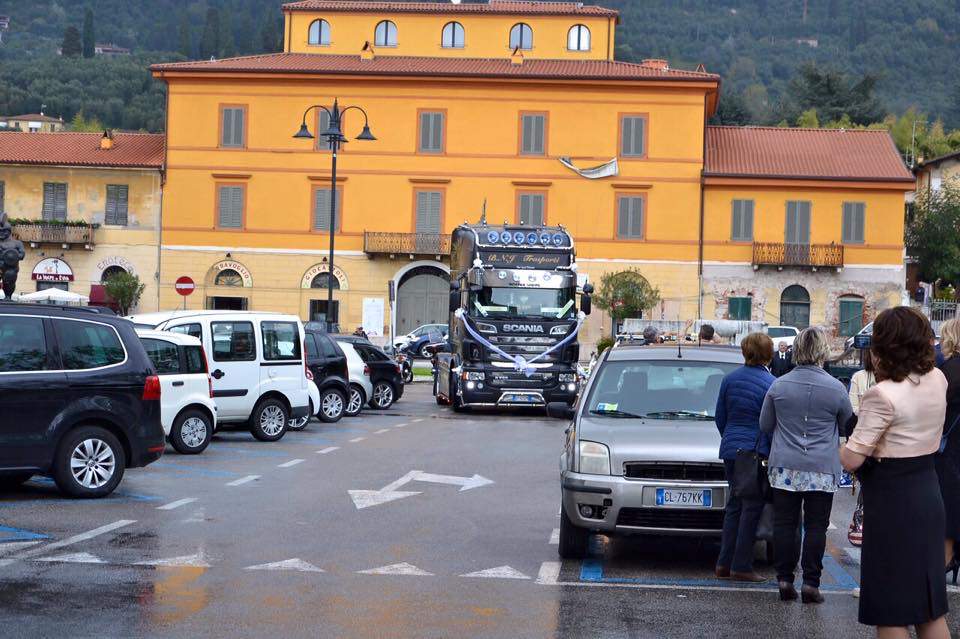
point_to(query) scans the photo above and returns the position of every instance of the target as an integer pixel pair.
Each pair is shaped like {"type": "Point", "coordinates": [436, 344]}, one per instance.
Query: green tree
{"type": "Point", "coordinates": [124, 289]}
{"type": "Point", "coordinates": [71, 46]}
{"type": "Point", "coordinates": [732, 111]}
{"type": "Point", "coordinates": [89, 36]}
{"type": "Point", "coordinates": [933, 236]}
{"type": "Point", "coordinates": [808, 119]}
{"type": "Point", "coordinates": [833, 95]}
{"type": "Point", "coordinates": [209, 41]}
{"type": "Point", "coordinates": [625, 294]}
{"type": "Point", "coordinates": [183, 34]}
{"type": "Point", "coordinates": [80, 123]}
{"type": "Point", "coordinates": [226, 45]}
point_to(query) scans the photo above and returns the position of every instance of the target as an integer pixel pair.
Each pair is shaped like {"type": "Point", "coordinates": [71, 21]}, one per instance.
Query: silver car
{"type": "Point", "coordinates": [641, 454]}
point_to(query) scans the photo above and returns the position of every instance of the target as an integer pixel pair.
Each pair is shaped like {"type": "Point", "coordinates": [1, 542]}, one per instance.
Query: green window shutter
{"type": "Point", "coordinates": [851, 316]}
{"type": "Point", "coordinates": [428, 211]}
{"type": "Point", "coordinates": [110, 211]}
{"type": "Point", "coordinates": [632, 136]}
{"type": "Point", "coordinates": [321, 210]}
{"type": "Point", "coordinates": [739, 308]}
{"type": "Point", "coordinates": [230, 207]}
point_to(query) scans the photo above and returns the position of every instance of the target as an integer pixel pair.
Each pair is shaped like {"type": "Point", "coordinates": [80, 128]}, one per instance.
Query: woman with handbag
{"type": "Point", "coordinates": [862, 381]}
{"type": "Point", "coordinates": [804, 410]}
{"type": "Point", "coordinates": [893, 448]}
{"type": "Point", "coordinates": [738, 420]}
{"type": "Point", "coordinates": [948, 461]}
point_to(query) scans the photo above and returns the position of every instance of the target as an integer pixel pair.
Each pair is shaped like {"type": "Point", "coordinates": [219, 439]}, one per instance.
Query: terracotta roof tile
{"type": "Point", "coordinates": [132, 150]}
{"type": "Point", "coordinates": [37, 117]}
{"type": "Point", "coordinates": [324, 64]}
{"type": "Point", "coordinates": [820, 154]}
{"type": "Point", "coordinates": [495, 7]}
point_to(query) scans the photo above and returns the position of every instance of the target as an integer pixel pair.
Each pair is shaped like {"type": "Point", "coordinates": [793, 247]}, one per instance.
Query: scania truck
{"type": "Point", "coordinates": [513, 318]}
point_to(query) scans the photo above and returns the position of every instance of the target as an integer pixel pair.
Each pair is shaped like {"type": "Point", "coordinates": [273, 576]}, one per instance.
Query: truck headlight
{"type": "Point", "coordinates": [594, 458]}
{"type": "Point", "coordinates": [472, 375]}
{"type": "Point", "coordinates": [486, 328]}
{"type": "Point", "coordinates": [568, 377]}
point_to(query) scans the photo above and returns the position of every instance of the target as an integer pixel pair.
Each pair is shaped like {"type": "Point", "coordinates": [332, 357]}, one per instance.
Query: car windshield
{"type": "Point", "coordinates": [780, 331]}
{"type": "Point", "coordinates": [530, 302]}
{"type": "Point", "coordinates": [658, 389]}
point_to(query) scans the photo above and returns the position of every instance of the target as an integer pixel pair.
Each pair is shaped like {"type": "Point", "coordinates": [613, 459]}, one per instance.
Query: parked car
{"type": "Point", "coordinates": [361, 388]}
{"type": "Point", "coordinates": [785, 334]}
{"type": "Point", "coordinates": [328, 364]}
{"type": "Point", "coordinates": [187, 410]}
{"type": "Point", "coordinates": [385, 374]}
{"type": "Point", "coordinates": [415, 341]}
{"type": "Point", "coordinates": [85, 396]}
{"type": "Point", "coordinates": [256, 363]}
{"type": "Point", "coordinates": [299, 423]}
{"type": "Point", "coordinates": [641, 456]}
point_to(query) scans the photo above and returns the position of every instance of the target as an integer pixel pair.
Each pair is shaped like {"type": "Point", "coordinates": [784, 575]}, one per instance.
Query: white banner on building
{"type": "Point", "coordinates": [373, 316]}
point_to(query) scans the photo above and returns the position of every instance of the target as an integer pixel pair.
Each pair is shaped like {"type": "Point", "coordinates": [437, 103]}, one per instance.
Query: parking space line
{"type": "Point", "coordinates": [357, 439]}
{"type": "Point", "coordinates": [416, 421]}
{"type": "Point", "coordinates": [292, 462]}
{"type": "Point", "coordinates": [329, 449]}
{"type": "Point", "coordinates": [549, 572]}
{"type": "Point", "coordinates": [242, 480]}
{"type": "Point", "coordinates": [381, 431]}
{"type": "Point", "coordinates": [555, 537]}
{"type": "Point", "coordinates": [69, 541]}
{"type": "Point", "coordinates": [177, 504]}
{"type": "Point", "coordinates": [399, 425]}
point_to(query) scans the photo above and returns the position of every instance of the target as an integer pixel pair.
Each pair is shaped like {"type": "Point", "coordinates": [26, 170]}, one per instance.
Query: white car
{"type": "Point", "coordinates": [361, 388]}
{"type": "Point", "coordinates": [187, 411]}
{"type": "Point", "coordinates": [300, 423]}
{"type": "Point", "coordinates": [782, 334]}
{"type": "Point", "coordinates": [256, 363]}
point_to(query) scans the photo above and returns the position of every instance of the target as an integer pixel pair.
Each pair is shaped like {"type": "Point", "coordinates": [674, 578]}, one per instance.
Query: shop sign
{"type": "Point", "coordinates": [317, 269]}
{"type": "Point", "coordinates": [52, 269]}
{"type": "Point", "coordinates": [542, 261]}
{"type": "Point", "coordinates": [115, 260]}
{"type": "Point", "coordinates": [232, 265]}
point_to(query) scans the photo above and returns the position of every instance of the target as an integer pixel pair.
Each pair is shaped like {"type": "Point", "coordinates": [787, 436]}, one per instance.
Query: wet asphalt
{"type": "Point", "coordinates": [254, 539]}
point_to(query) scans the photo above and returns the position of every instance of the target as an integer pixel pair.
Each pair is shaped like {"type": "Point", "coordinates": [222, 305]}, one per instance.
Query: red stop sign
{"type": "Point", "coordinates": [184, 285]}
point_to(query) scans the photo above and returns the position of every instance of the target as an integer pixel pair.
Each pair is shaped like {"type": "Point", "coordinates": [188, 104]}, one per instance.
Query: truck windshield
{"type": "Point", "coordinates": [555, 303]}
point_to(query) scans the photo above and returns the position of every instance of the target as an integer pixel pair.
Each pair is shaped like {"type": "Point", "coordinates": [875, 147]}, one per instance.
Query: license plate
{"type": "Point", "coordinates": [678, 498]}
{"type": "Point", "coordinates": [519, 398]}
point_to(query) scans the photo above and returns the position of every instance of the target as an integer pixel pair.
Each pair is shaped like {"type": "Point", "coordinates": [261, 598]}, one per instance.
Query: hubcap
{"type": "Point", "coordinates": [271, 420]}
{"type": "Point", "coordinates": [193, 432]}
{"type": "Point", "coordinates": [300, 422]}
{"type": "Point", "coordinates": [92, 463]}
{"type": "Point", "coordinates": [356, 401]}
{"type": "Point", "coordinates": [383, 395]}
{"type": "Point", "coordinates": [332, 405]}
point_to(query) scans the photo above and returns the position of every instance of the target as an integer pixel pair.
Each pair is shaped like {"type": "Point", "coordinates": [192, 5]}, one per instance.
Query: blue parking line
{"type": "Point", "coordinates": [259, 453]}
{"type": "Point", "coordinates": [835, 570]}
{"type": "Point", "coordinates": [9, 533]}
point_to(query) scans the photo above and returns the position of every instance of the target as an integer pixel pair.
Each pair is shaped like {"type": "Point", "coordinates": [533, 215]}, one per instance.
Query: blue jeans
{"type": "Point", "coordinates": [739, 528]}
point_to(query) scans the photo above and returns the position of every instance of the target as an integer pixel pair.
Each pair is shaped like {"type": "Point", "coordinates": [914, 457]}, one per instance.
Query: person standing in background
{"type": "Point", "coordinates": [898, 433]}
{"type": "Point", "coordinates": [861, 382]}
{"type": "Point", "coordinates": [782, 361]}
{"type": "Point", "coordinates": [948, 461]}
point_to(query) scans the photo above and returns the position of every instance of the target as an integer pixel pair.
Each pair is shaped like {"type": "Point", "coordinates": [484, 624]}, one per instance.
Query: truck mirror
{"type": "Point", "coordinates": [454, 285]}
{"type": "Point", "coordinates": [585, 303]}
{"type": "Point", "coordinates": [455, 300]}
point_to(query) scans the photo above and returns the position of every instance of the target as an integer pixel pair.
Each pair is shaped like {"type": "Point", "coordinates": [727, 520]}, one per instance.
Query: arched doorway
{"type": "Point", "coordinates": [795, 307]}
{"type": "Point", "coordinates": [110, 271]}
{"type": "Point", "coordinates": [422, 298]}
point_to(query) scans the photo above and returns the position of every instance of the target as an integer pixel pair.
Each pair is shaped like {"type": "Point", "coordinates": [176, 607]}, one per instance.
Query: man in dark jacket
{"type": "Point", "coordinates": [782, 361]}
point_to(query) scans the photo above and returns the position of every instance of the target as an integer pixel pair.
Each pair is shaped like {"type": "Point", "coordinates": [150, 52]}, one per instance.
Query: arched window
{"type": "Point", "coordinates": [385, 34]}
{"type": "Point", "coordinates": [521, 36]}
{"type": "Point", "coordinates": [319, 33]}
{"type": "Point", "coordinates": [452, 36]}
{"type": "Point", "coordinates": [795, 307]}
{"type": "Point", "coordinates": [321, 280]}
{"type": "Point", "coordinates": [228, 277]}
{"type": "Point", "coordinates": [578, 38]}
{"type": "Point", "coordinates": [110, 271]}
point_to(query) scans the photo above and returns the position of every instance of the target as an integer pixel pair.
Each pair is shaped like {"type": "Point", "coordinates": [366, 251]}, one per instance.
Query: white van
{"type": "Point", "coordinates": [255, 361]}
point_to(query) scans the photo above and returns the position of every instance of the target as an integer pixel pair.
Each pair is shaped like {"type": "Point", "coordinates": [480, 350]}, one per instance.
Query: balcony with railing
{"type": "Point", "coordinates": [36, 233]}
{"type": "Point", "coordinates": [810, 255]}
{"type": "Point", "coordinates": [381, 243]}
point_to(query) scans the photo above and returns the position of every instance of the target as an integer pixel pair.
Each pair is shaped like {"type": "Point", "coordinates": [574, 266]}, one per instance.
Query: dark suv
{"type": "Point", "coordinates": [328, 365]}
{"type": "Point", "coordinates": [385, 374]}
{"type": "Point", "coordinates": [80, 398]}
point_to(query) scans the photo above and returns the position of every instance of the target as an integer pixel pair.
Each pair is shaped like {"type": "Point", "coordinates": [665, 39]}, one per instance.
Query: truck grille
{"type": "Point", "coordinates": [674, 471]}
{"type": "Point", "coordinates": [526, 345]}
{"type": "Point", "coordinates": [519, 380]}
{"type": "Point", "coordinates": [676, 518]}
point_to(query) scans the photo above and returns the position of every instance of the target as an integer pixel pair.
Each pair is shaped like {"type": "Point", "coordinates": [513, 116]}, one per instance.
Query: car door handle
{"type": "Point", "coordinates": [217, 374]}
{"type": "Point", "coordinates": [178, 383]}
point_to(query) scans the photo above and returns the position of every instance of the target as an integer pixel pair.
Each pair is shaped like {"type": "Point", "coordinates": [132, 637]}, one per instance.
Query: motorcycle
{"type": "Point", "coordinates": [406, 367]}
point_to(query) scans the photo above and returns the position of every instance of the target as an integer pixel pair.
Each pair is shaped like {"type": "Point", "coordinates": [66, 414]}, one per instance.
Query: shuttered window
{"type": "Point", "coordinates": [530, 209]}
{"type": "Point", "coordinates": [116, 210]}
{"type": "Point", "coordinates": [532, 133]}
{"type": "Point", "coordinates": [742, 227]}
{"type": "Point", "coordinates": [431, 132]}
{"type": "Point", "coordinates": [739, 308]}
{"type": "Point", "coordinates": [321, 210]}
{"type": "Point", "coordinates": [230, 206]}
{"type": "Point", "coordinates": [429, 211]}
{"type": "Point", "coordinates": [323, 123]}
{"type": "Point", "coordinates": [797, 229]}
{"type": "Point", "coordinates": [55, 201]}
{"type": "Point", "coordinates": [851, 315]}
{"type": "Point", "coordinates": [854, 214]}
{"type": "Point", "coordinates": [630, 217]}
{"type": "Point", "coordinates": [632, 136]}
{"type": "Point", "coordinates": [233, 120]}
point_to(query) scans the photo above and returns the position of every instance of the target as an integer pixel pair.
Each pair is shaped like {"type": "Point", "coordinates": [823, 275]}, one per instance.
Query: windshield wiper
{"type": "Point", "coordinates": [677, 413]}
{"type": "Point", "coordinates": [614, 413]}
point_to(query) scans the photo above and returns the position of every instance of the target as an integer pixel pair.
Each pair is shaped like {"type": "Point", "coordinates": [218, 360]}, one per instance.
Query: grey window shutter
{"type": "Point", "coordinates": [2, 194]}
{"type": "Point", "coordinates": [532, 134]}
{"type": "Point", "coordinates": [437, 131]}
{"type": "Point", "coordinates": [803, 223]}
{"type": "Point", "coordinates": [122, 199]}
{"type": "Point", "coordinates": [539, 132]}
{"type": "Point", "coordinates": [48, 200]}
{"type": "Point", "coordinates": [238, 116]}
{"type": "Point", "coordinates": [526, 142]}
{"type": "Point", "coordinates": [637, 217]}
{"type": "Point", "coordinates": [232, 134]}
{"type": "Point", "coordinates": [536, 210]}
{"type": "Point", "coordinates": [623, 218]}
{"type": "Point", "coordinates": [231, 207]}
{"type": "Point", "coordinates": [323, 123]}
{"type": "Point", "coordinates": [790, 232]}
{"type": "Point", "coordinates": [631, 142]}
{"type": "Point", "coordinates": [748, 220]}
{"type": "Point", "coordinates": [60, 209]}
{"type": "Point", "coordinates": [846, 232]}
{"type": "Point", "coordinates": [226, 134]}
{"type": "Point", "coordinates": [425, 130]}
{"type": "Point", "coordinates": [860, 222]}
{"type": "Point", "coordinates": [736, 222]}
{"type": "Point", "coordinates": [321, 210]}
{"type": "Point", "coordinates": [428, 211]}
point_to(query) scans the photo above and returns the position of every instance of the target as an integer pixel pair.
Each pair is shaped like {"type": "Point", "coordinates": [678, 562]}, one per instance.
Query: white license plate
{"type": "Point", "coordinates": [678, 498]}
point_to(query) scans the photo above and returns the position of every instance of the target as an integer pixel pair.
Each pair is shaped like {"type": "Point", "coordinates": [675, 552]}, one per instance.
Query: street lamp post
{"type": "Point", "coordinates": [334, 136]}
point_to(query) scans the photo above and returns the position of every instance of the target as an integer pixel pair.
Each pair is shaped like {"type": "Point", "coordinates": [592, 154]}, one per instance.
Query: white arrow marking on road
{"type": "Point", "coordinates": [500, 572]}
{"type": "Point", "coordinates": [465, 483]}
{"type": "Point", "coordinates": [287, 564]}
{"type": "Point", "coordinates": [329, 449]}
{"type": "Point", "coordinates": [74, 558]}
{"type": "Point", "coordinates": [549, 572]}
{"type": "Point", "coordinates": [555, 537]}
{"type": "Point", "coordinates": [198, 560]}
{"type": "Point", "coordinates": [69, 541]}
{"type": "Point", "coordinates": [397, 569]}
{"type": "Point", "coordinates": [177, 504]}
{"type": "Point", "coordinates": [366, 498]}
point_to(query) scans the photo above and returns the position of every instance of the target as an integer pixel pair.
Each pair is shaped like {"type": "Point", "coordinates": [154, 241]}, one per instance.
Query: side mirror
{"type": "Point", "coordinates": [455, 300]}
{"type": "Point", "coordinates": [454, 286]}
{"type": "Point", "coordinates": [561, 410]}
{"type": "Point", "coordinates": [586, 305]}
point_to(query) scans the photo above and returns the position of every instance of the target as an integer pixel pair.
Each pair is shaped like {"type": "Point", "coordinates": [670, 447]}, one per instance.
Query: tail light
{"type": "Point", "coordinates": [366, 369]}
{"type": "Point", "coordinates": [151, 388]}
{"type": "Point", "coordinates": [203, 356]}
{"type": "Point", "coordinates": [309, 374]}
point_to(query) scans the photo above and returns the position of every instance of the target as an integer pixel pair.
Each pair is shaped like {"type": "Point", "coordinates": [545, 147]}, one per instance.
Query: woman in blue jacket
{"type": "Point", "coordinates": [738, 420]}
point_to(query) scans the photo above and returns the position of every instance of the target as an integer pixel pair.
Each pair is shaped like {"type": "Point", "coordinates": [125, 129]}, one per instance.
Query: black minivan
{"type": "Point", "coordinates": [80, 400]}
{"type": "Point", "coordinates": [328, 365]}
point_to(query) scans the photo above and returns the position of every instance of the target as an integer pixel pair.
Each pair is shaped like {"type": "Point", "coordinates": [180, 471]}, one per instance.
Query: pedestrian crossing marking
{"type": "Point", "coordinates": [287, 564]}
{"type": "Point", "coordinates": [74, 558]}
{"type": "Point", "coordinates": [500, 572]}
{"type": "Point", "coordinates": [402, 568]}
{"type": "Point", "coordinates": [196, 560]}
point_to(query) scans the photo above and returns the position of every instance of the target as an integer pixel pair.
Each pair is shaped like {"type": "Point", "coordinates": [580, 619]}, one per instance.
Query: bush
{"type": "Point", "coordinates": [603, 344]}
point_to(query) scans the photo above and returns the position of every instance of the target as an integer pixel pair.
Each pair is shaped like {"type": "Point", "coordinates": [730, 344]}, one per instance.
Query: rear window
{"type": "Point", "coordinates": [193, 330]}
{"type": "Point", "coordinates": [86, 345]}
{"type": "Point", "coordinates": [327, 347]}
{"type": "Point", "coordinates": [374, 354]}
{"type": "Point", "coordinates": [233, 341]}
{"type": "Point", "coordinates": [281, 340]}
{"type": "Point", "coordinates": [22, 344]}
{"type": "Point", "coordinates": [196, 363]}
{"type": "Point", "coordinates": [312, 351]}
{"type": "Point", "coordinates": [164, 355]}
{"type": "Point", "coordinates": [781, 332]}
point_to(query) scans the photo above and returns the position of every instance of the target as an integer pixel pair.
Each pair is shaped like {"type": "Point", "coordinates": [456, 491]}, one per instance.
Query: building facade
{"type": "Point", "coordinates": [31, 123]}
{"type": "Point", "coordinates": [85, 206]}
{"type": "Point", "coordinates": [935, 173]}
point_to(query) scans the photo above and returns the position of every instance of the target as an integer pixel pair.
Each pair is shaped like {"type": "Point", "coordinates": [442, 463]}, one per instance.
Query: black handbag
{"type": "Point", "coordinates": [750, 480]}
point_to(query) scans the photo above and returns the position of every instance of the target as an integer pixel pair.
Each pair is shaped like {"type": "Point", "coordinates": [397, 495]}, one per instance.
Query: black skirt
{"type": "Point", "coordinates": [902, 579]}
{"type": "Point", "coordinates": [948, 471]}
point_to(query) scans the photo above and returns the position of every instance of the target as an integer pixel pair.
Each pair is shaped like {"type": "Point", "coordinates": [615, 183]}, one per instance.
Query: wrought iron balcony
{"type": "Point", "coordinates": [812, 255]}
{"type": "Point", "coordinates": [66, 235]}
{"type": "Point", "coordinates": [376, 242]}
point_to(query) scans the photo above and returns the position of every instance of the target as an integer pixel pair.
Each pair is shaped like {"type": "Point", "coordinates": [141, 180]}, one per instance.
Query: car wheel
{"type": "Point", "coordinates": [89, 462]}
{"type": "Point", "coordinates": [269, 420]}
{"type": "Point", "coordinates": [407, 374]}
{"type": "Point", "coordinates": [191, 432]}
{"type": "Point", "coordinates": [573, 540]}
{"type": "Point", "coordinates": [424, 353]}
{"type": "Point", "coordinates": [355, 402]}
{"type": "Point", "coordinates": [9, 481]}
{"type": "Point", "coordinates": [383, 395]}
{"type": "Point", "coordinates": [332, 403]}
{"type": "Point", "coordinates": [300, 423]}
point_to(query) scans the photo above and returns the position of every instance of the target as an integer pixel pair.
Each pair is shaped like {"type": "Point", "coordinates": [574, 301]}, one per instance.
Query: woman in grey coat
{"type": "Point", "coordinates": [804, 411]}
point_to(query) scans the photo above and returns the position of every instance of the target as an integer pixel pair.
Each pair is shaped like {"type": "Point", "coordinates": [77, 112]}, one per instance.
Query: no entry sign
{"type": "Point", "coordinates": [184, 285]}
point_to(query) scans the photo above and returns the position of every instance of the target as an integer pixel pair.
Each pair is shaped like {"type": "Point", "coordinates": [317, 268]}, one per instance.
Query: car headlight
{"type": "Point", "coordinates": [594, 458]}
